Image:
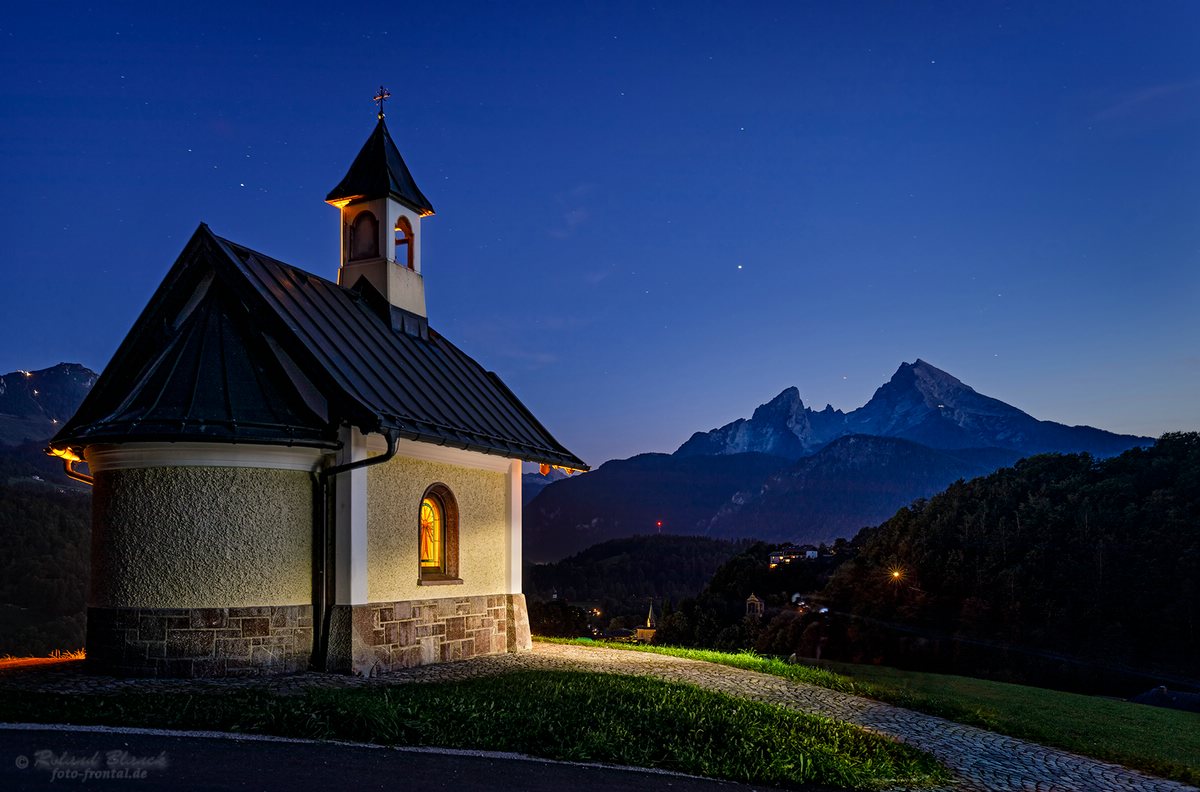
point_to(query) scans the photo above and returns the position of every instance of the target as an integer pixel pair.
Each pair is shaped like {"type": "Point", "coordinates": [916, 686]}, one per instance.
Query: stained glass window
{"type": "Point", "coordinates": [432, 521]}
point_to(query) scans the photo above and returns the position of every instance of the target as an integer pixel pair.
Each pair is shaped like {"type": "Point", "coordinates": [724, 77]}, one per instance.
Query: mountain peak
{"type": "Point", "coordinates": [936, 385]}
{"type": "Point", "coordinates": [788, 402]}
{"type": "Point", "coordinates": [781, 427]}
{"type": "Point", "coordinates": [924, 369]}
{"type": "Point", "coordinates": [921, 403]}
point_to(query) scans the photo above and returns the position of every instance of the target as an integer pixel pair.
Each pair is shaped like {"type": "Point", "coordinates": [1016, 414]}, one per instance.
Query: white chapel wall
{"type": "Point", "coordinates": [201, 537]}
{"type": "Point", "coordinates": [395, 489]}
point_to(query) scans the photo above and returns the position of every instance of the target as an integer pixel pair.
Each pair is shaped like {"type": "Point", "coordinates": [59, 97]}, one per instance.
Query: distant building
{"type": "Point", "coordinates": [1171, 699]}
{"type": "Point", "coordinates": [645, 632]}
{"type": "Point", "coordinates": [754, 607]}
{"type": "Point", "coordinates": [790, 553]}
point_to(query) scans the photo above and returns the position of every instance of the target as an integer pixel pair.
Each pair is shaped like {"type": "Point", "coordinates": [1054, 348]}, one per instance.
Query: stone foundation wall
{"type": "Point", "coordinates": [367, 640]}
{"type": "Point", "coordinates": [199, 642]}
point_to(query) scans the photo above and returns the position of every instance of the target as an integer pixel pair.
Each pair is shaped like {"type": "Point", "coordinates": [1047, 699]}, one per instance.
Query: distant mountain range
{"type": "Point", "coordinates": [533, 483]}
{"type": "Point", "coordinates": [787, 473]}
{"type": "Point", "coordinates": [626, 497]}
{"type": "Point", "coordinates": [790, 473]}
{"type": "Point", "coordinates": [34, 403]}
{"type": "Point", "coordinates": [920, 403]}
{"type": "Point", "coordinates": [853, 482]}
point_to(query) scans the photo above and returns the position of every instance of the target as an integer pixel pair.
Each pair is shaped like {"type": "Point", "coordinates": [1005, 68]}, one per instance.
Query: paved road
{"type": "Point", "coordinates": [182, 761]}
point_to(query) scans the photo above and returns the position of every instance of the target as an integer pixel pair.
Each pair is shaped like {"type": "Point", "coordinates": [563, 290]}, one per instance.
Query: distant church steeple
{"type": "Point", "coordinates": [381, 212]}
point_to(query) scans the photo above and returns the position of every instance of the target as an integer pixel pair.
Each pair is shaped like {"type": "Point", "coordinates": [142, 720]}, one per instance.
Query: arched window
{"type": "Point", "coordinates": [437, 536]}
{"type": "Point", "coordinates": [364, 237]}
{"type": "Point", "coordinates": [404, 242]}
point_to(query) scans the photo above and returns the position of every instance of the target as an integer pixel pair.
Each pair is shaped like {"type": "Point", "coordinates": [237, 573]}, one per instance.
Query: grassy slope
{"type": "Point", "coordinates": [1159, 741]}
{"type": "Point", "coordinates": [559, 715]}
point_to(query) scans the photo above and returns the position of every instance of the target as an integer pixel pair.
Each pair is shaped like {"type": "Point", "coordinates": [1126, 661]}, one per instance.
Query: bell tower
{"type": "Point", "coordinates": [381, 211]}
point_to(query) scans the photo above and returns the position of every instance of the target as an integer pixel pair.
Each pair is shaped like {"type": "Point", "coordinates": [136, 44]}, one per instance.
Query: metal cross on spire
{"type": "Point", "coordinates": [380, 98]}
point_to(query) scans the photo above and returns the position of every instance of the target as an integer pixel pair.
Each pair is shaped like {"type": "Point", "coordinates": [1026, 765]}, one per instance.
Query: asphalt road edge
{"type": "Point", "coordinates": [426, 749]}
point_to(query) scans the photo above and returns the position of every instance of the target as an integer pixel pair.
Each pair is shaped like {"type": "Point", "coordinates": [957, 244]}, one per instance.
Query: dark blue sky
{"type": "Point", "coordinates": [650, 219]}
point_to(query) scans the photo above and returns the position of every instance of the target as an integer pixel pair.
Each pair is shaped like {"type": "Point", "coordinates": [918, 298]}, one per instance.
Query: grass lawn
{"type": "Point", "coordinates": [555, 714]}
{"type": "Point", "coordinates": [1159, 741]}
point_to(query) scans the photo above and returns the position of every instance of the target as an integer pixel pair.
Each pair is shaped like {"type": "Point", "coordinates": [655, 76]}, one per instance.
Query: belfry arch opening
{"type": "Point", "coordinates": [404, 243]}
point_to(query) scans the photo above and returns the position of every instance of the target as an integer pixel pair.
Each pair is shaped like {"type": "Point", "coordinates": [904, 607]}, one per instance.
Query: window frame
{"type": "Point", "coordinates": [447, 573]}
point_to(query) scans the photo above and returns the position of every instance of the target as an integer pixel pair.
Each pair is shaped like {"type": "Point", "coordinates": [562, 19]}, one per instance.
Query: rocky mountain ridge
{"type": "Point", "coordinates": [835, 472]}
{"type": "Point", "coordinates": [33, 404]}
{"type": "Point", "coordinates": [921, 403]}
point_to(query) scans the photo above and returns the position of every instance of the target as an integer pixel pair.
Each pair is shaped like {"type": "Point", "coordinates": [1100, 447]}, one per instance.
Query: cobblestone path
{"type": "Point", "coordinates": [983, 761]}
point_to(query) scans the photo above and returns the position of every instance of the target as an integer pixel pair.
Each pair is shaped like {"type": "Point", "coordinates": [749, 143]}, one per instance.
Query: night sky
{"type": "Point", "coordinates": [650, 219]}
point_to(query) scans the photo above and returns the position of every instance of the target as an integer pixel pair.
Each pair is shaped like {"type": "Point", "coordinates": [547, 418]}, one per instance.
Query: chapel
{"type": "Point", "coordinates": [293, 473]}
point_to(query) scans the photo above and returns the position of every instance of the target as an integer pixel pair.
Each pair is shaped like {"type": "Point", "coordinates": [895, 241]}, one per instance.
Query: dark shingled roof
{"type": "Point", "coordinates": [379, 171]}
{"type": "Point", "coordinates": [237, 346]}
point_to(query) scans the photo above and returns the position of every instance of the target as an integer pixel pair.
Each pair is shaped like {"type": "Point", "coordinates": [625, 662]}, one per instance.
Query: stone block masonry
{"type": "Point", "coordinates": [367, 640]}
{"type": "Point", "coordinates": [199, 642]}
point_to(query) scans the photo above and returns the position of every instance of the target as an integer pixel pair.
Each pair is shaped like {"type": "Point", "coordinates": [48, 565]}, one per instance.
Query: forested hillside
{"type": "Point", "coordinates": [1060, 556]}
{"type": "Point", "coordinates": [625, 574]}
{"type": "Point", "coordinates": [1062, 570]}
{"type": "Point", "coordinates": [630, 497]}
{"type": "Point", "coordinates": [44, 547]}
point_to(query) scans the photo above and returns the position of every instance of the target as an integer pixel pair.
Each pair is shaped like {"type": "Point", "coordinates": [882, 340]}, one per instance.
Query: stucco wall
{"type": "Point", "coordinates": [201, 537]}
{"type": "Point", "coordinates": [394, 491]}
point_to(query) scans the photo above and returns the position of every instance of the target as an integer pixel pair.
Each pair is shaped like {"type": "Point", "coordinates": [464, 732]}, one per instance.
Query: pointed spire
{"type": "Point", "coordinates": [378, 172]}
{"type": "Point", "coordinates": [650, 622]}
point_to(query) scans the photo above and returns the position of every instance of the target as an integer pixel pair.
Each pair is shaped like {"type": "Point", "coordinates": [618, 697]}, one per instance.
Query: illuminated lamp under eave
{"type": "Point", "coordinates": [64, 453]}
{"type": "Point", "coordinates": [545, 469]}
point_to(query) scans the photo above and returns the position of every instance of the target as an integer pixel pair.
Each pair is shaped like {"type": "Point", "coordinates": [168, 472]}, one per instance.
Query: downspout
{"type": "Point", "coordinates": [75, 475]}
{"type": "Point", "coordinates": [323, 553]}
{"type": "Point", "coordinates": [69, 459]}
